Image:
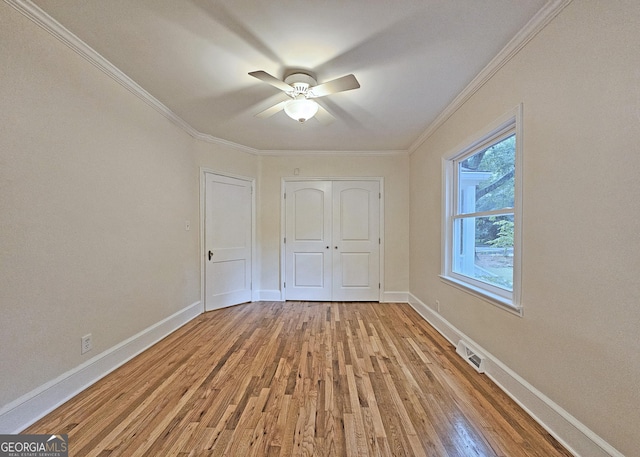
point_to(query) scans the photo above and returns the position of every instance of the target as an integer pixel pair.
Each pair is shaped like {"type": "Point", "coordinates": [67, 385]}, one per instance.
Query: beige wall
{"type": "Point", "coordinates": [579, 81]}
{"type": "Point", "coordinates": [95, 189]}
{"type": "Point", "coordinates": [394, 170]}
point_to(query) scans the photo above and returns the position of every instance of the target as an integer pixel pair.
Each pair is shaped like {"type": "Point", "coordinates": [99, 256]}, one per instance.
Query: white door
{"type": "Point", "coordinates": [227, 250]}
{"type": "Point", "coordinates": [356, 240]}
{"type": "Point", "coordinates": [308, 240]}
{"type": "Point", "coordinates": [332, 240]}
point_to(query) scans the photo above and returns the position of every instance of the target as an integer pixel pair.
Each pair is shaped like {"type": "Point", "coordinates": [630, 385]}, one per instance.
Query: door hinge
{"type": "Point", "coordinates": [379, 195]}
{"type": "Point", "coordinates": [285, 240]}
{"type": "Point", "coordinates": [285, 285]}
{"type": "Point", "coordinates": [379, 240]}
{"type": "Point", "coordinates": [285, 195]}
{"type": "Point", "coordinates": [379, 287]}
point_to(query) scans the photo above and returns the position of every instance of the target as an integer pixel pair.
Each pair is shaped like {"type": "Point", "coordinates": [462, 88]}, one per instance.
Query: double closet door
{"type": "Point", "coordinates": [332, 240]}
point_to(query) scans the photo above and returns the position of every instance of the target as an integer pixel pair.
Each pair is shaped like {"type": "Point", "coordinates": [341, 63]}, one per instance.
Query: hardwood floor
{"type": "Point", "coordinates": [299, 378]}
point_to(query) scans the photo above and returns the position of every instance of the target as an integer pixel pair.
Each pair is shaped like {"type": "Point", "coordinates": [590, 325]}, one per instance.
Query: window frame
{"type": "Point", "coordinates": [507, 125]}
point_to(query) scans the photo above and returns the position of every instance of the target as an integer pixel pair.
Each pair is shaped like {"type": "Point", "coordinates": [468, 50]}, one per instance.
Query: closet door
{"type": "Point", "coordinates": [308, 240]}
{"type": "Point", "coordinates": [356, 240]}
{"type": "Point", "coordinates": [332, 240]}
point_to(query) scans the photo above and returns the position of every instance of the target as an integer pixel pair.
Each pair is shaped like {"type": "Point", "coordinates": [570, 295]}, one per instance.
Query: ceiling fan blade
{"type": "Point", "coordinates": [348, 82]}
{"type": "Point", "coordinates": [275, 82]}
{"type": "Point", "coordinates": [324, 116]}
{"type": "Point", "coordinates": [273, 110]}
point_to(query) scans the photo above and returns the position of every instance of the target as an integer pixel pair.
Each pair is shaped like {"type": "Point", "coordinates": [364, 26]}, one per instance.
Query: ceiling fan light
{"type": "Point", "coordinates": [301, 109]}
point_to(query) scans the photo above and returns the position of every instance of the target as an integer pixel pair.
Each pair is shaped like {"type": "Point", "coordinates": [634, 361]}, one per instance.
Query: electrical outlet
{"type": "Point", "coordinates": [187, 225]}
{"type": "Point", "coordinates": [438, 305]}
{"type": "Point", "coordinates": [87, 344]}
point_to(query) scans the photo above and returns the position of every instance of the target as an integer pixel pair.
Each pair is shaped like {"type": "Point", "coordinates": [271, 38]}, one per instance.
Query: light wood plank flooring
{"type": "Point", "coordinates": [299, 378]}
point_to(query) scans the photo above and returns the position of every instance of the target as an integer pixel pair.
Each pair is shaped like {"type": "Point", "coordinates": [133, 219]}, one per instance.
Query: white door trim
{"type": "Point", "coordinates": [203, 181]}
{"type": "Point", "coordinates": [283, 186]}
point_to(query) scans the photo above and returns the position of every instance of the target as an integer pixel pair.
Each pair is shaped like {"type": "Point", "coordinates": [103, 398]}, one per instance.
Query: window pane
{"type": "Point", "coordinates": [486, 179]}
{"type": "Point", "coordinates": [483, 249]}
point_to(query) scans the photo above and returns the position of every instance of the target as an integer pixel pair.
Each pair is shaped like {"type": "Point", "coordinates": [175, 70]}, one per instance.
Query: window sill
{"type": "Point", "coordinates": [496, 300]}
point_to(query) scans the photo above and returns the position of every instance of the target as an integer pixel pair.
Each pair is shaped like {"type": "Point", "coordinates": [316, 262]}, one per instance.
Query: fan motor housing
{"type": "Point", "coordinates": [301, 81]}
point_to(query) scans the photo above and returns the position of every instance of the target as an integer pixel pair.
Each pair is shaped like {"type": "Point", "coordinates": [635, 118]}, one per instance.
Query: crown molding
{"type": "Point", "coordinates": [538, 22]}
{"type": "Point", "coordinates": [230, 144]}
{"type": "Point", "coordinates": [286, 153]}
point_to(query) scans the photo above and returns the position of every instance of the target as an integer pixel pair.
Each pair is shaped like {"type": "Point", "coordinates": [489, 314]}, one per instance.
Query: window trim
{"type": "Point", "coordinates": [503, 127]}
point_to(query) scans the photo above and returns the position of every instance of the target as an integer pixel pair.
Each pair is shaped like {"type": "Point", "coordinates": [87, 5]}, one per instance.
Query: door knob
{"type": "Point", "coordinates": [210, 255]}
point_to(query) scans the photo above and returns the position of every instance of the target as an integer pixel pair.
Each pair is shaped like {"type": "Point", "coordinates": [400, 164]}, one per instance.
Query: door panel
{"type": "Point", "coordinates": [332, 249]}
{"type": "Point", "coordinates": [356, 240]}
{"type": "Point", "coordinates": [308, 269]}
{"type": "Point", "coordinates": [228, 220]}
{"type": "Point", "coordinates": [309, 209]}
{"type": "Point", "coordinates": [355, 269]}
{"type": "Point", "coordinates": [228, 276]}
{"type": "Point", "coordinates": [354, 214]}
{"type": "Point", "coordinates": [308, 227]}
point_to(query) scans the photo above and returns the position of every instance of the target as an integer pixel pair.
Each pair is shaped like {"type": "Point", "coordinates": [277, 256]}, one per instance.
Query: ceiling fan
{"type": "Point", "coordinates": [302, 88]}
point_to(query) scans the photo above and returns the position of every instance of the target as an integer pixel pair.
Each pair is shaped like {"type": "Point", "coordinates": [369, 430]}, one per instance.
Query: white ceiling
{"type": "Point", "coordinates": [411, 57]}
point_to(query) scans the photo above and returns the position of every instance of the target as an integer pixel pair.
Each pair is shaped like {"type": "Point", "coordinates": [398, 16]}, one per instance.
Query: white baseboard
{"type": "Point", "coordinates": [569, 431]}
{"type": "Point", "coordinates": [269, 295]}
{"type": "Point", "coordinates": [387, 297]}
{"type": "Point", "coordinates": [394, 297]}
{"type": "Point", "coordinates": [27, 409]}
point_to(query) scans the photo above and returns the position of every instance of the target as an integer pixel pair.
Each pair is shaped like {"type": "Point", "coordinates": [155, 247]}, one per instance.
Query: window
{"type": "Point", "coordinates": [481, 248]}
